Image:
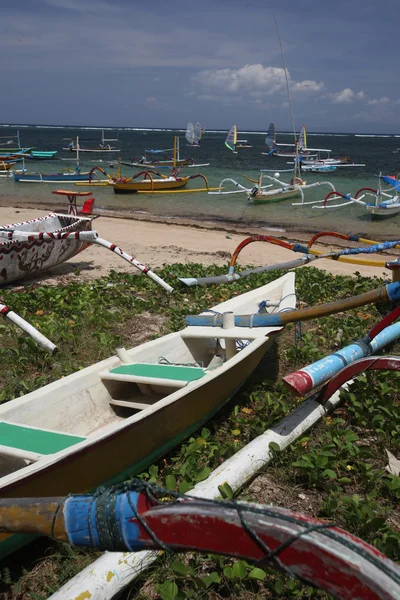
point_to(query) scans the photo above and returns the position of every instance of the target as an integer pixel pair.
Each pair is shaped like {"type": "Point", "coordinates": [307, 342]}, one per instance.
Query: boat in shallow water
{"type": "Point", "coordinates": [113, 419]}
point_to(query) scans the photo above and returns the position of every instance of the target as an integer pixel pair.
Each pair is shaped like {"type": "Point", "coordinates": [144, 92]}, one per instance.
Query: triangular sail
{"type": "Point", "coordinates": [198, 132]}
{"type": "Point", "coordinates": [231, 139]}
{"type": "Point", "coordinates": [190, 134]}
{"type": "Point", "coordinates": [303, 138]}
{"type": "Point", "coordinates": [270, 139]}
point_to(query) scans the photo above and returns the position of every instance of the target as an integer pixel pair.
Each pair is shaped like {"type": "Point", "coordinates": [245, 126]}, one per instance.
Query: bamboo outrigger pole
{"type": "Point", "coordinates": [390, 292]}
{"type": "Point", "coordinates": [39, 338]}
{"type": "Point", "coordinates": [92, 237]}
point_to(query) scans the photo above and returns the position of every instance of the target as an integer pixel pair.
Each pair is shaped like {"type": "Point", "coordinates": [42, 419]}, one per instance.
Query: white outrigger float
{"type": "Point", "coordinates": [384, 204]}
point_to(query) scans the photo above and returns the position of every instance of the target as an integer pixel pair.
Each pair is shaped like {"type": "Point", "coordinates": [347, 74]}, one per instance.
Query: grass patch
{"type": "Point", "coordinates": [336, 471]}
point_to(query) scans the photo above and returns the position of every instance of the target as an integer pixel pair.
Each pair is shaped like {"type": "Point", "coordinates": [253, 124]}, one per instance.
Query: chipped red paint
{"type": "Point", "coordinates": [331, 559]}
{"type": "Point", "coordinates": [299, 382]}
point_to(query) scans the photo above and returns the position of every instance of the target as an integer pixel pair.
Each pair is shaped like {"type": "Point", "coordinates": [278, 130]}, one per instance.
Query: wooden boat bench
{"type": "Point", "coordinates": [32, 443]}
{"type": "Point", "coordinates": [154, 375]}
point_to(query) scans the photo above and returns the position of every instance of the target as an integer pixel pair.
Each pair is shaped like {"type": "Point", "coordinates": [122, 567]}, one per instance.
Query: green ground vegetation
{"type": "Point", "coordinates": [336, 471]}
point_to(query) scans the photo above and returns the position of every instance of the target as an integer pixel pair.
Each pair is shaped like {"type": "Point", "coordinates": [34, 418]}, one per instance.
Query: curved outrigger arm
{"type": "Point", "coordinates": [92, 237]}
{"type": "Point", "coordinates": [138, 516]}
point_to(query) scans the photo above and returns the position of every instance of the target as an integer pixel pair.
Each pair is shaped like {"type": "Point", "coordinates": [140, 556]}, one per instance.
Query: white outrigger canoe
{"type": "Point", "coordinates": [113, 419]}
{"type": "Point", "coordinates": [383, 205]}
{"type": "Point", "coordinates": [22, 257]}
{"type": "Point", "coordinates": [264, 194]}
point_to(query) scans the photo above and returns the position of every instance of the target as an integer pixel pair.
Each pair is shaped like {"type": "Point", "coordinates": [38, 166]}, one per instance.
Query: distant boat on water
{"type": "Point", "coordinates": [233, 143]}
{"type": "Point", "coordinates": [194, 134]}
{"type": "Point", "coordinates": [102, 148]}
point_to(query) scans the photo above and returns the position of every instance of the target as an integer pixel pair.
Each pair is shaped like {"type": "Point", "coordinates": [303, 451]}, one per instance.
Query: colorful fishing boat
{"type": "Point", "coordinates": [6, 166]}
{"type": "Point", "coordinates": [130, 185]}
{"type": "Point", "coordinates": [114, 418]}
{"type": "Point", "coordinates": [103, 148]}
{"type": "Point", "coordinates": [318, 168]}
{"type": "Point", "coordinates": [42, 154]}
{"type": "Point", "coordinates": [21, 257]}
{"type": "Point", "coordinates": [384, 204]}
{"type": "Point", "coordinates": [193, 134]}
{"type": "Point", "coordinates": [167, 161]}
{"type": "Point", "coordinates": [9, 149]}
{"type": "Point", "coordinates": [264, 194]}
{"type": "Point", "coordinates": [66, 175]}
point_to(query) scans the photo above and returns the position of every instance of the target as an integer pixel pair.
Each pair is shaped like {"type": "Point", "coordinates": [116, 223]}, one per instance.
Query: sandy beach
{"type": "Point", "coordinates": [156, 243]}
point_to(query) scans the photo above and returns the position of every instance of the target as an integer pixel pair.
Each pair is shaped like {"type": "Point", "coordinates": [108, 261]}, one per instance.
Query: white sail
{"type": "Point", "coordinates": [189, 135]}
{"type": "Point", "coordinates": [198, 132]}
{"type": "Point", "coordinates": [303, 138]}
{"type": "Point", "coordinates": [270, 140]}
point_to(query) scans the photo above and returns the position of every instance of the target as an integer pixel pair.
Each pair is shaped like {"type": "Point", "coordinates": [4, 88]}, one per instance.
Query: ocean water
{"type": "Point", "coordinates": [375, 151]}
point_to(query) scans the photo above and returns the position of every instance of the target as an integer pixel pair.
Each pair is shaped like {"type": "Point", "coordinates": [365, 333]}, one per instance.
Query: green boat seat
{"type": "Point", "coordinates": [32, 439]}
{"type": "Point", "coordinates": [154, 374]}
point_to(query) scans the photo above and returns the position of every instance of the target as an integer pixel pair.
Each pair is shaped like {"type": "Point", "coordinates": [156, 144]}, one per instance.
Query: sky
{"type": "Point", "coordinates": [135, 63]}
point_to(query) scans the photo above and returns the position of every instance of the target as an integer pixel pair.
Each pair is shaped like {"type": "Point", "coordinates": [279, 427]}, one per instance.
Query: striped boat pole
{"type": "Point", "coordinates": [92, 237]}
{"type": "Point", "coordinates": [390, 292]}
{"type": "Point", "coordinates": [29, 329]}
{"type": "Point", "coordinates": [307, 379]}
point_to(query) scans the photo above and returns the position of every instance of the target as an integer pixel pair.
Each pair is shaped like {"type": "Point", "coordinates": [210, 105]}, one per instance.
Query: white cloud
{"type": "Point", "coordinates": [253, 81]}
{"type": "Point", "coordinates": [250, 78]}
{"type": "Point", "coordinates": [345, 96]}
{"type": "Point", "coordinates": [382, 100]}
{"type": "Point", "coordinates": [308, 86]}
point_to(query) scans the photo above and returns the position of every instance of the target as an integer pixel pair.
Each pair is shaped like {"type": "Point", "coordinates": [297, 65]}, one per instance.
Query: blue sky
{"type": "Point", "coordinates": [161, 63]}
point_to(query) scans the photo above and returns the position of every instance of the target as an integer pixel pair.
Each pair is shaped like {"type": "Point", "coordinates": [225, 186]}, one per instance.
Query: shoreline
{"type": "Point", "coordinates": [158, 241]}
{"type": "Point", "coordinates": [287, 231]}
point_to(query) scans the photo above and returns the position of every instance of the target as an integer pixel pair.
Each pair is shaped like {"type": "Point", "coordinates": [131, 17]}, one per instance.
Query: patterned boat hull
{"type": "Point", "coordinates": [21, 258]}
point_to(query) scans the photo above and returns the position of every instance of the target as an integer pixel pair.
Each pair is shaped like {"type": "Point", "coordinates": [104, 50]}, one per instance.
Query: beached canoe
{"type": "Point", "coordinates": [20, 258]}
{"type": "Point", "coordinates": [113, 419]}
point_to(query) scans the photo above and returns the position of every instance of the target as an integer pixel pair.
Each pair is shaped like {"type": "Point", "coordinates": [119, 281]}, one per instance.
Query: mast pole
{"type": "Point", "coordinates": [77, 154]}
{"type": "Point", "coordinates": [296, 164]}
{"type": "Point", "coordinates": [175, 151]}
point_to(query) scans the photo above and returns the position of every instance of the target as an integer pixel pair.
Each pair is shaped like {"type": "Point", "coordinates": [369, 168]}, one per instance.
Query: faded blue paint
{"type": "Point", "coordinates": [325, 368]}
